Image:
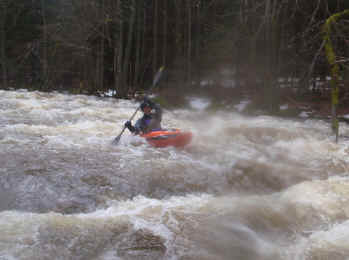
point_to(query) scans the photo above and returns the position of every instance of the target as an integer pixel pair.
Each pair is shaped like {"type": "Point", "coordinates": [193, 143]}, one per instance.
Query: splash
{"type": "Point", "coordinates": [246, 187]}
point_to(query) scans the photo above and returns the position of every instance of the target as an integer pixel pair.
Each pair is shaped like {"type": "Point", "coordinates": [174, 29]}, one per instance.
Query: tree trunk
{"type": "Point", "coordinates": [126, 65]}
{"type": "Point", "coordinates": [165, 24]}
{"type": "Point", "coordinates": [101, 70]}
{"type": "Point", "coordinates": [155, 35]}
{"type": "Point", "coordinates": [178, 46]}
{"type": "Point", "coordinates": [144, 47]}
{"type": "Point", "coordinates": [178, 34]}
{"type": "Point", "coordinates": [44, 45]}
{"type": "Point", "coordinates": [197, 32]}
{"type": "Point", "coordinates": [119, 54]}
{"type": "Point", "coordinates": [138, 44]}
{"type": "Point", "coordinates": [3, 13]}
{"type": "Point", "coordinates": [189, 23]}
{"type": "Point", "coordinates": [270, 91]}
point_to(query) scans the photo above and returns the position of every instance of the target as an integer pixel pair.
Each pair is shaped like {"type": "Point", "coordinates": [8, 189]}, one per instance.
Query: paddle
{"type": "Point", "coordinates": [155, 81]}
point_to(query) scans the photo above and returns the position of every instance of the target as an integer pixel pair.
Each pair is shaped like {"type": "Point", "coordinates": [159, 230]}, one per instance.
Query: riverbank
{"type": "Point", "coordinates": [249, 101]}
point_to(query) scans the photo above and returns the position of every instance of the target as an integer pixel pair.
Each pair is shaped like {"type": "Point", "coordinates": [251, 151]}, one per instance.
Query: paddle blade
{"type": "Point", "coordinates": [117, 139]}
{"type": "Point", "coordinates": [157, 76]}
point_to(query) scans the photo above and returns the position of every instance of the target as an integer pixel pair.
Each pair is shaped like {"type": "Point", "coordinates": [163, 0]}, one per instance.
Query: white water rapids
{"type": "Point", "coordinates": [245, 188]}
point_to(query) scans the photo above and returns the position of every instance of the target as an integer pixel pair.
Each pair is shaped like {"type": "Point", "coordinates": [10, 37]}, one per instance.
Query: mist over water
{"type": "Point", "coordinates": [245, 188]}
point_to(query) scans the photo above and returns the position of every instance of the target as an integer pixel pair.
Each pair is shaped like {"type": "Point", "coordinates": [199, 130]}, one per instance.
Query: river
{"type": "Point", "coordinates": [256, 187]}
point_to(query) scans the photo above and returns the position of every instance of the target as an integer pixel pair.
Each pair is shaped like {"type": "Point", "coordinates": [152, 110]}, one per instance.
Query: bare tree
{"type": "Point", "coordinates": [44, 72]}
{"type": "Point", "coordinates": [3, 15]}
{"type": "Point", "coordinates": [129, 45]}
{"type": "Point", "coordinates": [155, 35]}
{"type": "Point", "coordinates": [139, 43]}
{"type": "Point", "coordinates": [165, 32]}
{"type": "Point", "coordinates": [119, 51]}
{"type": "Point", "coordinates": [189, 39]}
{"type": "Point", "coordinates": [101, 52]}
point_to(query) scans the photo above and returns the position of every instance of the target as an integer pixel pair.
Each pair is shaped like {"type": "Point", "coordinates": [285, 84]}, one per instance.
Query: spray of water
{"type": "Point", "coordinates": [245, 188]}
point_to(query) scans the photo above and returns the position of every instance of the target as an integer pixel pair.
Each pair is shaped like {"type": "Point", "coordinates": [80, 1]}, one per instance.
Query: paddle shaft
{"type": "Point", "coordinates": [117, 139]}
{"type": "Point", "coordinates": [155, 81]}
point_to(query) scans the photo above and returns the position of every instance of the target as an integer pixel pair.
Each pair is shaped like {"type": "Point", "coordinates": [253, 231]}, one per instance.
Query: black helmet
{"type": "Point", "coordinates": [145, 104]}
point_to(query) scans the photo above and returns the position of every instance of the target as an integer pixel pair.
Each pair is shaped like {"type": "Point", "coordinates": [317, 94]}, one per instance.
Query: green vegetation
{"type": "Point", "coordinates": [334, 66]}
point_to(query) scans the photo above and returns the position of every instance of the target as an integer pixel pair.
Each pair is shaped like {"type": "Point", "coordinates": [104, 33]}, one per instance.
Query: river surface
{"type": "Point", "coordinates": [246, 187]}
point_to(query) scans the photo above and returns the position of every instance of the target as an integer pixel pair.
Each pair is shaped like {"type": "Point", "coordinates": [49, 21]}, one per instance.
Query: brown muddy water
{"type": "Point", "coordinates": [245, 188]}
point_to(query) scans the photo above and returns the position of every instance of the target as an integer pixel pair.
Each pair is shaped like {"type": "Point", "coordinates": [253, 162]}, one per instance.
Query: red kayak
{"type": "Point", "coordinates": [172, 137]}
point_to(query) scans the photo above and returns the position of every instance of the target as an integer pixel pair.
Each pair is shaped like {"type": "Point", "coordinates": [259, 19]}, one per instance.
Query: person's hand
{"type": "Point", "coordinates": [130, 127]}
{"type": "Point", "coordinates": [128, 124]}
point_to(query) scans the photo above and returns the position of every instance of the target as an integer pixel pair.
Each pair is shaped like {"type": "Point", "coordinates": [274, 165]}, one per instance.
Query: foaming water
{"type": "Point", "coordinates": [245, 188]}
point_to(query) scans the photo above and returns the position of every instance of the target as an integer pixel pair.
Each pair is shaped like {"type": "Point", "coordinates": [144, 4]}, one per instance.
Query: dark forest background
{"type": "Point", "coordinates": [91, 46]}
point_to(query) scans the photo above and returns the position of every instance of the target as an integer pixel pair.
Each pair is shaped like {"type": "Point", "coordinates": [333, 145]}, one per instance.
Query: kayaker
{"type": "Point", "coordinates": [150, 121]}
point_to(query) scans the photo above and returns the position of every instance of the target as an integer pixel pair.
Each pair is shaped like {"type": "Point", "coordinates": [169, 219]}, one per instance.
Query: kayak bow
{"type": "Point", "coordinates": [172, 137]}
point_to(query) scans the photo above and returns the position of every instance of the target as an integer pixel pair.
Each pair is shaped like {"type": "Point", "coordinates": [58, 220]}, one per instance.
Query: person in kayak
{"type": "Point", "coordinates": [150, 121]}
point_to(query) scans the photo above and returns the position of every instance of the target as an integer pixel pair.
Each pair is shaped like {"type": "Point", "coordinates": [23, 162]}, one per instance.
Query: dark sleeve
{"type": "Point", "coordinates": [131, 128]}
